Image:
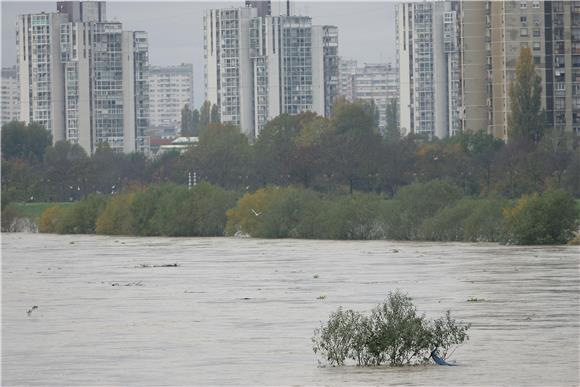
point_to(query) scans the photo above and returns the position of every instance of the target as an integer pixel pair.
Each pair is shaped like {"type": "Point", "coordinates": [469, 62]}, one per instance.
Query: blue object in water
{"type": "Point", "coordinates": [438, 359]}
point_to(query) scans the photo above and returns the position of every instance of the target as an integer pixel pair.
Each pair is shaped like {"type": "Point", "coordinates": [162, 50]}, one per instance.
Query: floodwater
{"type": "Point", "coordinates": [243, 311]}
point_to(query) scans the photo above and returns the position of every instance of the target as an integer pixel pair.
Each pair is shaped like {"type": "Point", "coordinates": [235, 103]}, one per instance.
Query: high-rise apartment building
{"type": "Point", "coordinates": [475, 64]}
{"type": "Point", "coordinates": [84, 79]}
{"type": "Point", "coordinates": [324, 68]}
{"type": "Point", "coordinates": [264, 7]}
{"type": "Point", "coordinates": [346, 73]}
{"type": "Point", "coordinates": [257, 68]}
{"type": "Point", "coordinates": [377, 82]}
{"type": "Point", "coordinates": [429, 68]}
{"type": "Point", "coordinates": [83, 11]}
{"type": "Point", "coordinates": [228, 66]}
{"type": "Point", "coordinates": [481, 42]}
{"type": "Point", "coordinates": [10, 95]}
{"type": "Point", "coordinates": [170, 89]}
{"type": "Point", "coordinates": [40, 71]}
{"type": "Point", "coordinates": [551, 30]}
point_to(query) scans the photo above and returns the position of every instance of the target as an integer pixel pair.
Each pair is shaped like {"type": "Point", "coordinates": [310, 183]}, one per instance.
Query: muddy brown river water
{"type": "Point", "coordinates": [243, 311]}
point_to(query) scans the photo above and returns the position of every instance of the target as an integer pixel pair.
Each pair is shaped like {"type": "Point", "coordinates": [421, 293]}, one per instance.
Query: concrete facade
{"type": "Point", "coordinates": [429, 67]}
{"type": "Point", "coordinates": [170, 89]}
{"type": "Point", "coordinates": [268, 66]}
{"type": "Point", "coordinates": [10, 95]}
{"type": "Point", "coordinates": [88, 78]}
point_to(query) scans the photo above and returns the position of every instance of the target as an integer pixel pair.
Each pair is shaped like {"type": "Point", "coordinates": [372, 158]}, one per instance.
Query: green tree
{"type": "Point", "coordinates": [205, 114]}
{"type": "Point", "coordinates": [526, 120]}
{"type": "Point", "coordinates": [481, 148]}
{"type": "Point", "coordinates": [186, 121]}
{"type": "Point", "coordinates": [392, 131]}
{"type": "Point", "coordinates": [215, 114]}
{"type": "Point", "coordinates": [26, 142]}
{"type": "Point", "coordinates": [348, 117]}
{"type": "Point", "coordinates": [356, 146]}
{"type": "Point", "coordinates": [275, 150]}
{"type": "Point", "coordinates": [222, 156]}
{"type": "Point", "coordinates": [195, 122]}
{"type": "Point", "coordinates": [65, 166]}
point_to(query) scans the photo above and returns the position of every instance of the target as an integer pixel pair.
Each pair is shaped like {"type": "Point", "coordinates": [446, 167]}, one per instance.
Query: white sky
{"type": "Point", "coordinates": [366, 29]}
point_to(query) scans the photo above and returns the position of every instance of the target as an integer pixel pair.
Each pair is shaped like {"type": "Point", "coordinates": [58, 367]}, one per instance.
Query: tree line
{"type": "Point", "coordinates": [341, 154]}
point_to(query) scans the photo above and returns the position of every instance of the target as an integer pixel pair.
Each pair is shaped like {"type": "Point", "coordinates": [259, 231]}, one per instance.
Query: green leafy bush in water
{"type": "Point", "coordinates": [550, 218]}
{"type": "Point", "coordinates": [81, 217]}
{"type": "Point", "coordinates": [470, 220]}
{"type": "Point", "coordinates": [392, 334]}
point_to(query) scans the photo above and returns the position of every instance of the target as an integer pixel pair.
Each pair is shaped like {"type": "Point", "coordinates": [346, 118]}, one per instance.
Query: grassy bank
{"type": "Point", "coordinates": [34, 210]}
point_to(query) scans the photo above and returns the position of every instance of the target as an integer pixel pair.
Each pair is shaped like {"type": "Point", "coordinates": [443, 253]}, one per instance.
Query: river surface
{"type": "Point", "coordinates": [243, 311]}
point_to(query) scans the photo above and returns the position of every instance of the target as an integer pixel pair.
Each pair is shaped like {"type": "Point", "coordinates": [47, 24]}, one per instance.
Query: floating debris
{"type": "Point", "coordinates": [144, 265]}
{"type": "Point", "coordinates": [321, 297]}
{"type": "Point", "coordinates": [474, 299]}
{"type": "Point", "coordinates": [395, 251]}
{"type": "Point", "coordinates": [29, 311]}
{"type": "Point", "coordinates": [315, 276]}
{"type": "Point", "coordinates": [137, 283]}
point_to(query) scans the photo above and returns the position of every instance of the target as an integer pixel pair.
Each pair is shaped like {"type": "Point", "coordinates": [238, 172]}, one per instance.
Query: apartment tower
{"type": "Point", "coordinates": [428, 58]}
{"type": "Point", "coordinates": [83, 78]}
{"type": "Point", "coordinates": [258, 67]}
{"type": "Point", "coordinates": [170, 89]}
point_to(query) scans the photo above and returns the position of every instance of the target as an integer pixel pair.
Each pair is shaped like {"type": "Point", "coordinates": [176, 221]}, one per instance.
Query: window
{"type": "Point", "coordinates": [524, 20]}
{"type": "Point", "coordinates": [523, 32]}
{"type": "Point", "coordinates": [523, 4]}
{"type": "Point", "coordinates": [537, 33]}
{"type": "Point", "coordinates": [537, 46]}
{"type": "Point", "coordinates": [537, 20]}
{"type": "Point", "coordinates": [537, 60]}
{"type": "Point", "coordinates": [535, 4]}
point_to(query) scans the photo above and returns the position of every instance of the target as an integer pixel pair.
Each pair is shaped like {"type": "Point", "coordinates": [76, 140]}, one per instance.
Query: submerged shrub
{"type": "Point", "coordinates": [275, 212]}
{"type": "Point", "coordinates": [343, 337]}
{"type": "Point", "coordinates": [393, 334]}
{"type": "Point", "coordinates": [297, 213]}
{"type": "Point", "coordinates": [419, 201]}
{"type": "Point", "coordinates": [81, 217]}
{"type": "Point", "coordinates": [49, 219]}
{"type": "Point", "coordinates": [447, 224]}
{"type": "Point", "coordinates": [358, 216]}
{"type": "Point", "coordinates": [470, 220]}
{"type": "Point", "coordinates": [115, 219]}
{"type": "Point", "coordinates": [551, 218]}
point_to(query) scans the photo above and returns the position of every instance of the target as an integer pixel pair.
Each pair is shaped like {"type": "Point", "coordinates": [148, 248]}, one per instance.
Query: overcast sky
{"type": "Point", "coordinates": [366, 29]}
